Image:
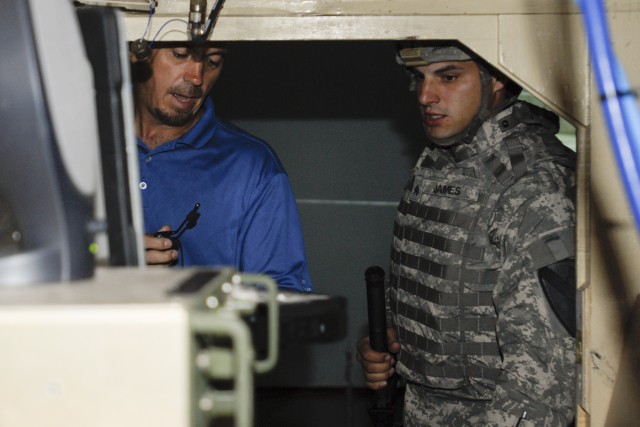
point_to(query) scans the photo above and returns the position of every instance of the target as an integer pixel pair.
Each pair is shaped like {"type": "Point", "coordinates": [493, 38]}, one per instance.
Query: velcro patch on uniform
{"type": "Point", "coordinates": [417, 188]}
{"type": "Point", "coordinates": [552, 248]}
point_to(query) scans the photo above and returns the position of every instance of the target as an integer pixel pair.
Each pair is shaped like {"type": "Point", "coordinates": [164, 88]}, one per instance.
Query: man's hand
{"type": "Point", "coordinates": [378, 367]}
{"type": "Point", "coordinates": [158, 249]}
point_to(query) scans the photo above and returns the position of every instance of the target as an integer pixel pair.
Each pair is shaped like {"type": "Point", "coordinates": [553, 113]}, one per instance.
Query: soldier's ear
{"type": "Point", "coordinates": [498, 85]}
{"type": "Point", "coordinates": [497, 90]}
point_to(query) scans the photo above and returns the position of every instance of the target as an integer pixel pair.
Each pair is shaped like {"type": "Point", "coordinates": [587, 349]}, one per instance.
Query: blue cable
{"type": "Point", "coordinates": [146, 30]}
{"type": "Point", "coordinates": [618, 99]}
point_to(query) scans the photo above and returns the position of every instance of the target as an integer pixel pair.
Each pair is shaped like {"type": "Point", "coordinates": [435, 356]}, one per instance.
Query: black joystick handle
{"type": "Point", "coordinates": [374, 277]}
{"type": "Point", "coordinates": [382, 405]}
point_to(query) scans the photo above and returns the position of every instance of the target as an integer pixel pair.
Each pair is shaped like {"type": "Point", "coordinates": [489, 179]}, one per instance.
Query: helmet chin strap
{"type": "Point", "coordinates": [485, 111]}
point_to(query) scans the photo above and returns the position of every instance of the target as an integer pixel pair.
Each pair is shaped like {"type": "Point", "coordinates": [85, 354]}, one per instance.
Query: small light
{"type": "Point", "coordinates": [93, 248]}
{"type": "Point", "coordinates": [212, 302]}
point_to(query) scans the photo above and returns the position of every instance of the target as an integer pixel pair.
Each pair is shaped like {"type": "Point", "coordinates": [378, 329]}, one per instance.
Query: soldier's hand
{"type": "Point", "coordinates": [378, 366]}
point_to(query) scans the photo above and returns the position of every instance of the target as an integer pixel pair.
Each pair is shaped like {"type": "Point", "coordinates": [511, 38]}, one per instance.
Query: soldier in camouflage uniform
{"type": "Point", "coordinates": [481, 291]}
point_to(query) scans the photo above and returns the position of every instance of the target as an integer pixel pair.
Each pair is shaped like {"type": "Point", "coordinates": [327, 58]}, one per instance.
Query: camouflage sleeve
{"type": "Point", "coordinates": [538, 355]}
{"type": "Point", "coordinates": [388, 290]}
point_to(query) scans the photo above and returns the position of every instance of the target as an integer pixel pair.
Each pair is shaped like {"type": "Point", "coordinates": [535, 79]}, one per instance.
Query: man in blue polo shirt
{"type": "Point", "coordinates": [226, 188]}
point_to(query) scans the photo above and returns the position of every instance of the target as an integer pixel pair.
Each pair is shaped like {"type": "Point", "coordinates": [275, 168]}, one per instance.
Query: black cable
{"type": "Point", "coordinates": [213, 17]}
{"type": "Point", "coordinates": [189, 222]}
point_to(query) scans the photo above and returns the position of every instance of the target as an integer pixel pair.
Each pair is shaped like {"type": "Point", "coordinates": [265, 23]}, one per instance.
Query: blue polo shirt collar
{"type": "Point", "coordinates": [197, 137]}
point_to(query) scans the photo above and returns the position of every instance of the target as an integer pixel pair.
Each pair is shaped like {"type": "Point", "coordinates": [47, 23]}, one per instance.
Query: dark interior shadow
{"type": "Point", "coordinates": [319, 80]}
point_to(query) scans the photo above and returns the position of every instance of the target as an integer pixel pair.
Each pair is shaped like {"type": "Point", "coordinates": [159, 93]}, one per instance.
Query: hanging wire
{"type": "Point", "coordinates": [213, 17]}
{"type": "Point", "coordinates": [146, 30]}
{"type": "Point", "coordinates": [619, 101]}
{"type": "Point", "coordinates": [211, 21]}
{"type": "Point", "coordinates": [165, 24]}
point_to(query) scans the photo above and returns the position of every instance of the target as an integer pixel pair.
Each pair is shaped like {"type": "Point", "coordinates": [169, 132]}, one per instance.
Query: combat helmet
{"type": "Point", "coordinates": [421, 53]}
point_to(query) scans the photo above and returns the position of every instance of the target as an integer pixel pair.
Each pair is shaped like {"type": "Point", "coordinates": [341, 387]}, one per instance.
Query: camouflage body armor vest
{"type": "Point", "coordinates": [444, 262]}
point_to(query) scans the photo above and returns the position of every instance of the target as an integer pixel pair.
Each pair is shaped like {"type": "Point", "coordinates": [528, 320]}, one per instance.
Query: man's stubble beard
{"type": "Point", "coordinates": [174, 119]}
{"type": "Point", "coordinates": [179, 118]}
